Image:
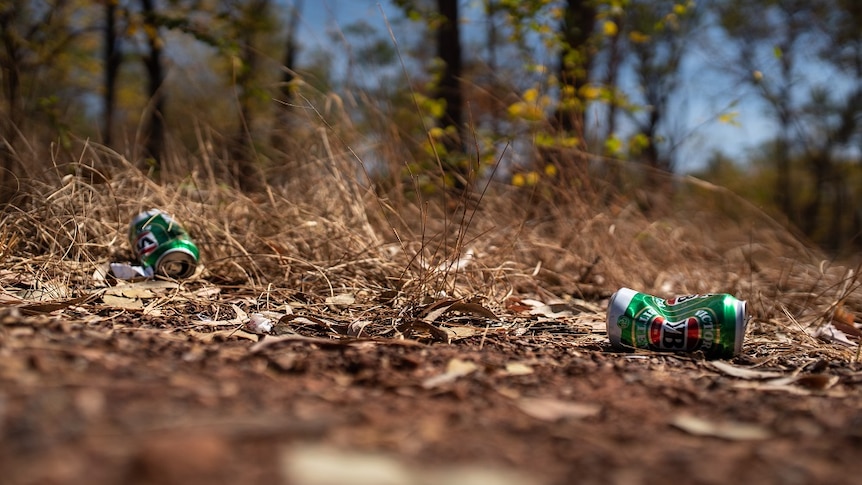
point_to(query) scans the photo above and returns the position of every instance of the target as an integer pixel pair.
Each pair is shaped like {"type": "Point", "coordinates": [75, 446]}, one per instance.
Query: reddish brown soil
{"type": "Point", "coordinates": [106, 396]}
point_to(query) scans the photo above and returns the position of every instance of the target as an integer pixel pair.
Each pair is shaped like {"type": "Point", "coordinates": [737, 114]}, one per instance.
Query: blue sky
{"type": "Point", "coordinates": [708, 92]}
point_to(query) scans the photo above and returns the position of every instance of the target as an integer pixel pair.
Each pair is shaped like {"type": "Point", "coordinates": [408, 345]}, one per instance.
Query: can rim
{"type": "Point", "coordinates": [741, 324]}
{"type": "Point", "coordinates": [192, 263]}
{"type": "Point", "coordinates": [617, 305]}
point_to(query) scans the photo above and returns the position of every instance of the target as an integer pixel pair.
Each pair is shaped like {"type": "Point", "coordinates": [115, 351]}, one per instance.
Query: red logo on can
{"type": "Point", "coordinates": [146, 244]}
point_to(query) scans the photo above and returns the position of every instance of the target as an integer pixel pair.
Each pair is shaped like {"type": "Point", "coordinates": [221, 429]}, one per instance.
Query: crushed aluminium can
{"type": "Point", "coordinates": [160, 243]}
{"type": "Point", "coordinates": [713, 323]}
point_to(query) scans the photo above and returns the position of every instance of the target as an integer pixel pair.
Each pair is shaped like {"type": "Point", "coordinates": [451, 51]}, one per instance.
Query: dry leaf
{"type": "Point", "coordinates": [153, 308]}
{"type": "Point", "coordinates": [207, 337]}
{"type": "Point", "coordinates": [323, 466]}
{"type": "Point", "coordinates": [123, 302]}
{"type": "Point", "coordinates": [208, 292]}
{"type": "Point", "coordinates": [9, 299]}
{"type": "Point", "coordinates": [327, 342]}
{"type": "Point", "coordinates": [728, 430]}
{"type": "Point", "coordinates": [816, 382]}
{"type": "Point", "coordinates": [338, 328]}
{"type": "Point", "coordinates": [829, 333]}
{"type": "Point", "coordinates": [52, 290]}
{"type": "Point", "coordinates": [407, 328]}
{"type": "Point", "coordinates": [532, 303]}
{"type": "Point", "coordinates": [586, 306]}
{"type": "Point", "coordinates": [802, 384]}
{"type": "Point", "coordinates": [149, 284]}
{"type": "Point", "coordinates": [453, 332]}
{"type": "Point", "coordinates": [560, 309]}
{"type": "Point", "coordinates": [341, 301]}
{"type": "Point", "coordinates": [240, 318]}
{"type": "Point", "coordinates": [518, 369]}
{"type": "Point", "coordinates": [847, 328]}
{"type": "Point", "coordinates": [461, 332]}
{"type": "Point", "coordinates": [843, 316]}
{"type": "Point", "coordinates": [435, 310]}
{"type": "Point", "coordinates": [454, 369]}
{"type": "Point", "coordinates": [473, 309]}
{"type": "Point", "coordinates": [743, 372]}
{"type": "Point", "coordinates": [552, 311]}
{"type": "Point", "coordinates": [549, 409]}
{"type": "Point", "coordinates": [100, 274]}
{"type": "Point", "coordinates": [49, 307]}
{"type": "Point", "coordinates": [317, 465]}
{"type": "Point", "coordinates": [355, 328]}
{"type": "Point", "coordinates": [131, 292]}
{"type": "Point", "coordinates": [516, 305]}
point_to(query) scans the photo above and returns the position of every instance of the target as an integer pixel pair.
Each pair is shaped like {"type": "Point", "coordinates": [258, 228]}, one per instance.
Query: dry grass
{"type": "Point", "coordinates": [321, 233]}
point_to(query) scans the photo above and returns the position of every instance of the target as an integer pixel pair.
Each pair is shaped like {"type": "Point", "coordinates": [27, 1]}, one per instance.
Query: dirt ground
{"type": "Point", "coordinates": [97, 391]}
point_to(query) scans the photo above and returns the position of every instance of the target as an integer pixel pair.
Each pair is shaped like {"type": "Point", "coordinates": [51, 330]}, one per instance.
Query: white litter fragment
{"type": "Point", "coordinates": [125, 271]}
{"type": "Point", "coordinates": [259, 323]}
{"type": "Point", "coordinates": [829, 333]}
{"type": "Point", "coordinates": [457, 265]}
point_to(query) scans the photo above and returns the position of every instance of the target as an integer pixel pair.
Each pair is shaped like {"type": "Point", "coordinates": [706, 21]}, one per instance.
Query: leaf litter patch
{"type": "Point", "coordinates": [307, 326]}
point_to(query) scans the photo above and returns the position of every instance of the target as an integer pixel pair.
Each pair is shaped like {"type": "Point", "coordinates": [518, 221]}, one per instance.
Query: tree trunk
{"type": "Point", "coordinates": [10, 63]}
{"type": "Point", "coordinates": [284, 111]}
{"type": "Point", "coordinates": [492, 35]}
{"type": "Point", "coordinates": [449, 89]}
{"type": "Point", "coordinates": [245, 170]}
{"type": "Point", "coordinates": [112, 62]}
{"type": "Point", "coordinates": [784, 184]}
{"type": "Point", "coordinates": [612, 177]}
{"type": "Point", "coordinates": [242, 166]}
{"type": "Point", "coordinates": [574, 66]}
{"type": "Point", "coordinates": [839, 208]}
{"type": "Point", "coordinates": [575, 58]}
{"type": "Point", "coordinates": [810, 220]}
{"type": "Point", "coordinates": [658, 194]}
{"type": "Point", "coordinates": [155, 132]}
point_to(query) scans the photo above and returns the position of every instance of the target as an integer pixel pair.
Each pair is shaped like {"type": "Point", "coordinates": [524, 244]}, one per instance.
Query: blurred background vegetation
{"type": "Point", "coordinates": [550, 96]}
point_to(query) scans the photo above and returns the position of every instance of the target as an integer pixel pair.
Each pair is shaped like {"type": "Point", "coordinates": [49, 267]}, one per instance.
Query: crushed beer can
{"type": "Point", "coordinates": [160, 243]}
{"type": "Point", "coordinates": [713, 323]}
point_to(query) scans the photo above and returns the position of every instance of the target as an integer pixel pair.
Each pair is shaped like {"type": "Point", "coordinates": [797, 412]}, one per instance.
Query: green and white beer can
{"type": "Point", "coordinates": [159, 242]}
{"type": "Point", "coordinates": [713, 324]}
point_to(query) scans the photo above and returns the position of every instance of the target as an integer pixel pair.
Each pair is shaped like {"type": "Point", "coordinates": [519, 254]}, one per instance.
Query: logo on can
{"type": "Point", "coordinates": [159, 242]}
{"type": "Point", "coordinates": [145, 244]}
{"type": "Point", "coordinates": [713, 324]}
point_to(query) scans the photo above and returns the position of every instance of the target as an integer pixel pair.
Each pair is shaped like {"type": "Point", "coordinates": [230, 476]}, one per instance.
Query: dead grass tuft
{"type": "Point", "coordinates": [323, 232]}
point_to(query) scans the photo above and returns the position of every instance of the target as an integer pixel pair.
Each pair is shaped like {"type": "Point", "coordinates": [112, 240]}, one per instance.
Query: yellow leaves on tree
{"type": "Point", "coordinates": [638, 37]}
{"type": "Point", "coordinates": [615, 147]}
{"type": "Point", "coordinates": [531, 107]}
{"type": "Point", "coordinates": [532, 178]}
{"type": "Point", "coordinates": [729, 118]}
